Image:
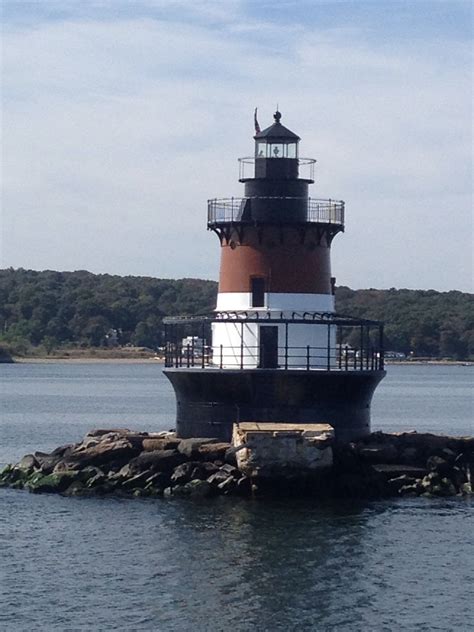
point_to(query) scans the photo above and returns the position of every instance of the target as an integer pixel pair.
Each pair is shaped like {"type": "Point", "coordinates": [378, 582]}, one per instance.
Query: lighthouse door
{"type": "Point", "coordinates": [268, 347]}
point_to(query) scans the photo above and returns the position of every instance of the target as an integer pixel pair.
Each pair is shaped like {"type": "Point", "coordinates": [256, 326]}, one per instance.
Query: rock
{"type": "Point", "coordinates": [158, 461]}
{"type": "Point", "coordinates": [458, 476]}
{"type": "Point", "coordinates": [105, 452]}
{"type": "Point", "coordinates": [410, 456]}
{"type": "Point", "coordinates": [160, 443]}
{"type": "Point", "coordinates": [156, 483]}
{"type": "Point", "coordinates": [438, 464]}
{"type": "Point", "coordinates": [466, 489]}
{"type": "Point", "coordinates": [190, 447]}
{"type": "Point", "coordinates": [199, 489]}
{"type": "Point", "coordinates": [50, 483]}
{"type": "Point", "coordinates": [244, 486]}
{"type": "Point", "coordinates": [448, 455]}
{"type": "Point", "coordinates": [221, 476]}
{"type": "Point", "coordinates": [429, 480]}
{"type": "Point", "coordinates": [90, 472]}
{"type": "Point", "coordinates": [76, 488]}
{"type": "Point", "coordinates": [213, 451]}
{"type": "Point", "coordinates": [28, 463]}
{"type": "Point", "coordinates": [62, 450]}
{"type": "Point", "coordinates": [208, 468]}
{"type": "Point", "coordinates": [231, 470]}
{"type": "Point", "coordinates": [448, 489]}
{"type": "Point", "coordinates": [137, 481]}
{"type": "Point", "coordinates": [394, 485]}
{"type": "Point", "coordinates": [194, 489]}
{"type": "Point", "coordinates": [124, 472]}
{"type": "Point", "coordinates": [227, 486]}
{"type": "Point", "coordinates": [183, 473]}
{"type": "Point", "coordinates": [410, 490]}
{"type": "Point", "coordinates": [394, 470]}
{"type": "Point", "coordinates": [99, 432]}
{"type": "Point", "coordinates": [96, 480]}
{"type": "Point", "coordinates": [383, 453]}
{"type": "Point", "coordinates": [66, 466]}
{"type": "Point", "coordinates": [46, 462]}
{"type": "Point", "coordinates": [230, 457]}
{"type": "Point", "coordinates": [168, 492]}
{"type": "Point", "coordinates": [6, 475]}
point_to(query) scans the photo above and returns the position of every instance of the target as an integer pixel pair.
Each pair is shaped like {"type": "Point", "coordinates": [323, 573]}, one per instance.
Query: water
{"type": "Point", "coordinates": [109, 564]}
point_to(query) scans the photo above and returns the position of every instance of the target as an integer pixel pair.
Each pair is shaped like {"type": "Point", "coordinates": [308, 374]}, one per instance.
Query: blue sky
{"type": "Point", "coordinates": [120, 119]}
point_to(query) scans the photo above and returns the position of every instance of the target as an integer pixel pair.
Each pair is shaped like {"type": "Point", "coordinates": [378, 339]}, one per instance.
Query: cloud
{"type": "Point", "coordinates": [116, 131]}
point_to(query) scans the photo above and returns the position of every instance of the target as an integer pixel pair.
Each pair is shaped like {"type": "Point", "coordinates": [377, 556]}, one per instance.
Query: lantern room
{"type": "Point", "coordinates": [276, 151]}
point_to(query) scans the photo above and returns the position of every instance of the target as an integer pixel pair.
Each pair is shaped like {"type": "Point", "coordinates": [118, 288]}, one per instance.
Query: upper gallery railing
{"type": "Point", "coordinates": [229, 210]}
{"type": "Point", "coordinates": [305, 167]}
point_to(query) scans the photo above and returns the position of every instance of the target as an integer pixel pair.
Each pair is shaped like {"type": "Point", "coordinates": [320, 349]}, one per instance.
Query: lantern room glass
{"type": "Point", "coordinates": [265, 149]}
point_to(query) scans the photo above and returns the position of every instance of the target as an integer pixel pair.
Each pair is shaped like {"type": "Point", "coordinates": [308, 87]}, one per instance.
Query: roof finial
{"type": "Point", "coordinates": [277, 115]}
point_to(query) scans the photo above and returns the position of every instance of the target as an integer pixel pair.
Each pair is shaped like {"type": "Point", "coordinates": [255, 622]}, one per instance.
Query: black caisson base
{"type": "Point", "coordinates": [209, 402]}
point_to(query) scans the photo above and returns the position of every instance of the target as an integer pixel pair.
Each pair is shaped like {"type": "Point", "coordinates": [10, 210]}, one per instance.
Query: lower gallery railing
{"type": "Point", "coordinates": [242, 342]}
{"type": "Point", "coordinates": [288, 358]}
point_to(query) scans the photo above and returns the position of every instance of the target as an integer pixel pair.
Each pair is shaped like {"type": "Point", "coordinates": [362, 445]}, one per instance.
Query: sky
{"type": "Point", "coordinates": [121, 118]}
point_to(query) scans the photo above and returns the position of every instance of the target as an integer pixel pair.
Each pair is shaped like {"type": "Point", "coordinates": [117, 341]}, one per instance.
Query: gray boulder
{"type": "Point", "coordinates": [158, 461]}
{"type": "Point", "coordinates": [104, 452]}
{"type": "Point", "coordinates": [213, 451]}
{"type": "Point", "coordinates": [28, 463]}
{"type": "Point", "coordinates": [184, 473]}
{"type": "Point", "coordinates": [46, 462]}
{"type": "Point", "coordinates": [383, 453]}
{"type": "Point", "coordinates": [160, 443]}
{"type": "Point", "coordinates": [190, 447]}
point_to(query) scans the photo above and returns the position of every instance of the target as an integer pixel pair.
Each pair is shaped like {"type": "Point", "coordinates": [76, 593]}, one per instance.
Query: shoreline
{"type": "Point", "coordinates": [87, 359]}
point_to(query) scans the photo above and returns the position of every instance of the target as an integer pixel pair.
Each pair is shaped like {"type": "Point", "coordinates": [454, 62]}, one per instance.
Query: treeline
{"type": "Point", "coordinates": [424, 323]}
{"type": "Point", "coordinates": [57, 309]}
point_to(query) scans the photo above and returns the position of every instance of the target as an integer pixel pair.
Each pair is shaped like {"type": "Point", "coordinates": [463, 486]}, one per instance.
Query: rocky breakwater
{"type": "Point", "coordinates": [126, 463]}
{"type": "Point", "coordinates": [405, 464]}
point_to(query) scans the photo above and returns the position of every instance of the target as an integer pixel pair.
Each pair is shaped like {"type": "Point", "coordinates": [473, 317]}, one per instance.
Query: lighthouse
{"type": "Point", "coordinates": [274, 349]}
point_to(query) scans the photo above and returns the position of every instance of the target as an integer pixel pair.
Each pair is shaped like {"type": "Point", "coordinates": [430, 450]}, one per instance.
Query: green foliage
{"type": "Point", "coordinates": [422, 322]}
{"type": "Point", "coordinates": [55, 309]}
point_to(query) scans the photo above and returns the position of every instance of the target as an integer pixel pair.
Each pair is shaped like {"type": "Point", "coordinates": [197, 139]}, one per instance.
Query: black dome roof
{"type": "Point", "coordinates": [277, 131]}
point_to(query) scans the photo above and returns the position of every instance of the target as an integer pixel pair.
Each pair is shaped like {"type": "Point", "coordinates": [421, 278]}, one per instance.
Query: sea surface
{"type": "Point", "coordinates": [225, 564]}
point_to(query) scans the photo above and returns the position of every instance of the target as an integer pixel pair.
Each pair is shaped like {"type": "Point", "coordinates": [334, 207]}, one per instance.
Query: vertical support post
{"type": "Point", "coordinates": [381, 348]}
{"type": "Point", "coordinates": [177, 347]}
{"type": "Point", "coordinates": [329, 347]}
{"type": "Point", "coordinates": [220, 364]}
{"type": "Point", "coordinates": [339, 331]}
{"type": "Point", "coordinates": [241, 346]}
{"type": "Point", "coordinates": [307, 357]}
{"type": "Point", "coordinates": [192, 351]}
{"type": "Point", "coordinates": [367, 335]}
{"type": "Point", "coordinates": [361, 347]}
{"type": "Point", "coordinates": [346, 359]}
{"type": "Point", "coordinates": [203, 346]}
{"type": "Point", "coordinates": [286, 346]}
{"type": "Point", "coordinates": [187, 355]}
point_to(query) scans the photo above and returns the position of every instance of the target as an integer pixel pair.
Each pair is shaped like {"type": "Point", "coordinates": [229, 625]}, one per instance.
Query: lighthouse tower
{"type": "Point", "coordinates": [274, 349]}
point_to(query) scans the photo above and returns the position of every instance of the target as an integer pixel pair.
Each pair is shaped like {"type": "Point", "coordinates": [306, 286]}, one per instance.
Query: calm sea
{"type": "Point", "coordinates": [108, 564]}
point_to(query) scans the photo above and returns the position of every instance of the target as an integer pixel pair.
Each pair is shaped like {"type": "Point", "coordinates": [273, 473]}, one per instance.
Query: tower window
{"type": "Point", "coordinates": [257, 285]}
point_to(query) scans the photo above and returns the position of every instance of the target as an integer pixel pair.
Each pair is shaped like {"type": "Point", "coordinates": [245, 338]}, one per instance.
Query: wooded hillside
{"type": "Point", "coordinates": [55, 309]}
